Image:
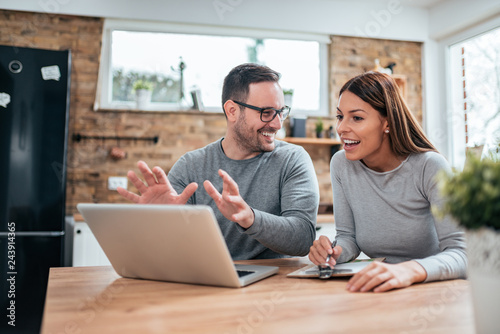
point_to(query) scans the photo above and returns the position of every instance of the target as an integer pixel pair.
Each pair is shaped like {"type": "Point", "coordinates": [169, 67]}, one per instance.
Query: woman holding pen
{"type": "Point", "coordinates": [384, 185]}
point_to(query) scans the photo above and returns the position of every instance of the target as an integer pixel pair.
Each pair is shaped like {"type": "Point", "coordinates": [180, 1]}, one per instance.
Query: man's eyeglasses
{"type": "Point", "coordinates": [268, 114]}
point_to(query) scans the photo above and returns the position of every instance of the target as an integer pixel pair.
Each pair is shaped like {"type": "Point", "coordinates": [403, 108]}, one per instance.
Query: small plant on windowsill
{"type": "Point", "coordinates": [144, 85]}
{"type": "Point", "coordinates": [288, 94]}
{"type": "Point", "coordinates": [143, 91]}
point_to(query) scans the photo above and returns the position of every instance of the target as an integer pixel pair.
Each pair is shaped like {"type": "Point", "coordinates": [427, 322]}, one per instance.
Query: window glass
{"type": "Point", "coordinates": [475, 82]}
{"type": "Point", "coordinates": [157, 58]}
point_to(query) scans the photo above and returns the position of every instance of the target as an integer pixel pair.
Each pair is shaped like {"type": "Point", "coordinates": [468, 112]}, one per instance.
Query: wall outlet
{"type": "Point", "coordinates": [117, 181]}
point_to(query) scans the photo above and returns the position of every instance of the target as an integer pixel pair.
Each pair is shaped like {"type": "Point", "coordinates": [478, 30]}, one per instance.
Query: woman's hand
{"type": "Point", "coordinates": [321, 248]}
{"type": "Point", "coordinates": [380, 277]}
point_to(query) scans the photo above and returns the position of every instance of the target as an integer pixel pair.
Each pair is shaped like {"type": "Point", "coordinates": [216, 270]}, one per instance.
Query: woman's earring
{"type": "Point", "coordinates": [386, 130]}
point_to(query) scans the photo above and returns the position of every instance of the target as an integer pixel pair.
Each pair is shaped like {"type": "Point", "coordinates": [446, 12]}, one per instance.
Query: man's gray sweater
{"type": "Point", "coordinates": [280, 186]}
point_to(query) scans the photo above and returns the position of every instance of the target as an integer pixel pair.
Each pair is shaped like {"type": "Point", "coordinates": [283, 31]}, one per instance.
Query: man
{"type": "Point", "coordinates": [264, 193]}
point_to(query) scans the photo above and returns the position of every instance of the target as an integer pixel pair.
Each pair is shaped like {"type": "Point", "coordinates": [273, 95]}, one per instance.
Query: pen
{"type": "Point", "coordinates": [334, 243]}
{"type": "Point", "coordinates": [325, 270]}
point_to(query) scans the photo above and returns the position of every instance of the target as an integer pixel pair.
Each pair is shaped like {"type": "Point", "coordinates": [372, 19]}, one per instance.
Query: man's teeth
{"type": "Point", "coordinates": [347, 141]}
{"type": "Point", "coordinates": [268, 134]}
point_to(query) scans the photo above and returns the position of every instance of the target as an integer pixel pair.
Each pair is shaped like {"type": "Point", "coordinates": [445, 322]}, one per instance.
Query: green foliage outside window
{"type": "Point", "coordinates": [164, 88]}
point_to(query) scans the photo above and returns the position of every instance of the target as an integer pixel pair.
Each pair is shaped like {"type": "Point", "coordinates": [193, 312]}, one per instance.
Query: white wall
{"type": "Point", "coordinates": [391, 19]}
{"type": "Point", "coordinates": [449, 18]}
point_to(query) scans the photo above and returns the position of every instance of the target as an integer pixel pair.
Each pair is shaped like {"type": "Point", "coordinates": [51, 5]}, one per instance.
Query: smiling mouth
{"type": "Point", "coordinates": [350, 143]}
{"type": "Point", "coordinates": [268, 134]}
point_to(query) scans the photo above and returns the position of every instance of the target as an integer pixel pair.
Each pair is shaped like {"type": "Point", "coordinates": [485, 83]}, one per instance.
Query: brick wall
{"type": "Point", "coordinates": [89, 161]}
{"type": "Point", "coordinates": [350, 56]}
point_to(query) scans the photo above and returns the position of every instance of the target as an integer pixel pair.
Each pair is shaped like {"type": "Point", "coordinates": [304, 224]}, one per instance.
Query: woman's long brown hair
{"type": "Point", "coordinates": [382, 93]}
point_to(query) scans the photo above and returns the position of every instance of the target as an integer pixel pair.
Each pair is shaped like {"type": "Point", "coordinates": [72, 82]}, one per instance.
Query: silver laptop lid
{"type": "Point", "coordinates": [176, 243]}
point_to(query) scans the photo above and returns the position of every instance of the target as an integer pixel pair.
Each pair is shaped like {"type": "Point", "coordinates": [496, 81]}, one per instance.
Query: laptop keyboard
{"type": "Point", "coordinates": [242, 273]}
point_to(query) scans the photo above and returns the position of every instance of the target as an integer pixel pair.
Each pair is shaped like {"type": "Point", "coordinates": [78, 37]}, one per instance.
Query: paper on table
{"type": "Point", "coordinates": [340, 270]}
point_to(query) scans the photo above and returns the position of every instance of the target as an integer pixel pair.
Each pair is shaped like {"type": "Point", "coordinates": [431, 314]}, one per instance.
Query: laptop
{"type": "Point", "coordinates": [174, 243]}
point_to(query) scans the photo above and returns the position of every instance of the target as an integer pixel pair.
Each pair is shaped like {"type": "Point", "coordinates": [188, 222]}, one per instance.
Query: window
{"type": "Point", "coordinates": [475, 96]}
{"type": "Point", "coordinates": [179, 64]}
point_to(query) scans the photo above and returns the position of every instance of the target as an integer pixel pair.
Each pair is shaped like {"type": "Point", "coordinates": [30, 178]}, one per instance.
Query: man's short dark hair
{"type": "Point", "coordinates": [238, 80]}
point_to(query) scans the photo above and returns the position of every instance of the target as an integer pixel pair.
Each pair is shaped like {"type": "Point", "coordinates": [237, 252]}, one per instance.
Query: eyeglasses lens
{"type": "Point", "coordinates": [267, 115]}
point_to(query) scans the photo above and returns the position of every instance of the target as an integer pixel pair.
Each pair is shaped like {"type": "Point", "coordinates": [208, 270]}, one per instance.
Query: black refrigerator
{"type": "Point", "coordinates": [34, 109]}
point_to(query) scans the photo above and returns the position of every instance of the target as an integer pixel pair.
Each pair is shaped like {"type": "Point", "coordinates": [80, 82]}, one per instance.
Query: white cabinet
{"type": "Point", "coordinates": [86, 249]}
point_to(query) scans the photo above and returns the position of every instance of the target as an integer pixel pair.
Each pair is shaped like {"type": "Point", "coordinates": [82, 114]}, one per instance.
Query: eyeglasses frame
{"type": "Point", "coordinates": [261, 110]}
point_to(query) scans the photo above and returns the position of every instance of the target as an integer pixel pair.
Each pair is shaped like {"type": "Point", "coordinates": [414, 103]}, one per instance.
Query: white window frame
{"type": "Point", "coordinates": [104, 82]}
{"type": "Point", "coordinates": [455, 126]}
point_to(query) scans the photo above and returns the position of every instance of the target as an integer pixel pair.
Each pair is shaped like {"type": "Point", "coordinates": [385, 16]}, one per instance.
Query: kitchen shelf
{"type": "Point", "coordinates": [334, 144]}
{"type": "Point", "coordinates": [312, 141]}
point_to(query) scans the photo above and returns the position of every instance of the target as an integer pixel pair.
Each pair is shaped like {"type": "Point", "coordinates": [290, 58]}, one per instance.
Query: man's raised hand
{"type": "Point", "coordinates": [156, 189]}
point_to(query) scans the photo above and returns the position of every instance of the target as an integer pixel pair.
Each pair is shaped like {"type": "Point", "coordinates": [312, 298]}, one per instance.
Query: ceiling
{"type": "Point", "coordinates": [423, 3]}
{"type": "Point", "coordinates": [427, 4]}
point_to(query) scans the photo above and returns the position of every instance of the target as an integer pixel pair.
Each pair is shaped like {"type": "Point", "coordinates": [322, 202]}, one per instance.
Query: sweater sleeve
{"type": "Point", "coordinates": [344, 220]}
{"type": "Point", "coordinates": [451, 261]}
{"type": "Point", "coordinates": [179, 179]}
{"type": "Point", "coordinates": [293, 231]}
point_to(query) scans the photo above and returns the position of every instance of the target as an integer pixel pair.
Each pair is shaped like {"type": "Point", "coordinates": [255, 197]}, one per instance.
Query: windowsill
{"type": "Point", "coordinates": [140, 111]}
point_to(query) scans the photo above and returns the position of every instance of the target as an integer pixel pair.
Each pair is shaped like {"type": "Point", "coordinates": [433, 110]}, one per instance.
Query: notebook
{"type": "Point", "coordinates": [340, 270]}
{"type": "Point", "coordinates": [174, 243]}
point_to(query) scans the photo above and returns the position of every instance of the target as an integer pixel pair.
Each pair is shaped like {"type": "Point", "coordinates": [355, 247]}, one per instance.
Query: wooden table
{"type": "Point", "coordinates": [97, 300]}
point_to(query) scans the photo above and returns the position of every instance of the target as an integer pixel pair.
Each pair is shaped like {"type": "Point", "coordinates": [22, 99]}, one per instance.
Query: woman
{"type": "Point", "coordinates": [384, 186]}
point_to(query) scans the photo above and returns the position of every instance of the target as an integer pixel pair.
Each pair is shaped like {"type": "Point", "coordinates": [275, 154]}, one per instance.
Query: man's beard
{"type": "Point", "coordinates": [247, 140]}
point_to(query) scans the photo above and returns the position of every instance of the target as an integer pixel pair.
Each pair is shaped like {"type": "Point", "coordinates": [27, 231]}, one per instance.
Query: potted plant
{"type": "Point", "coordinates": [319, 128]}
{"type": "Point", "coordinates": [143, 91]}
{"type": "Point", "coordinates": [472, 198]}
{"type": "Point", "coordinates": [288, 94]}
